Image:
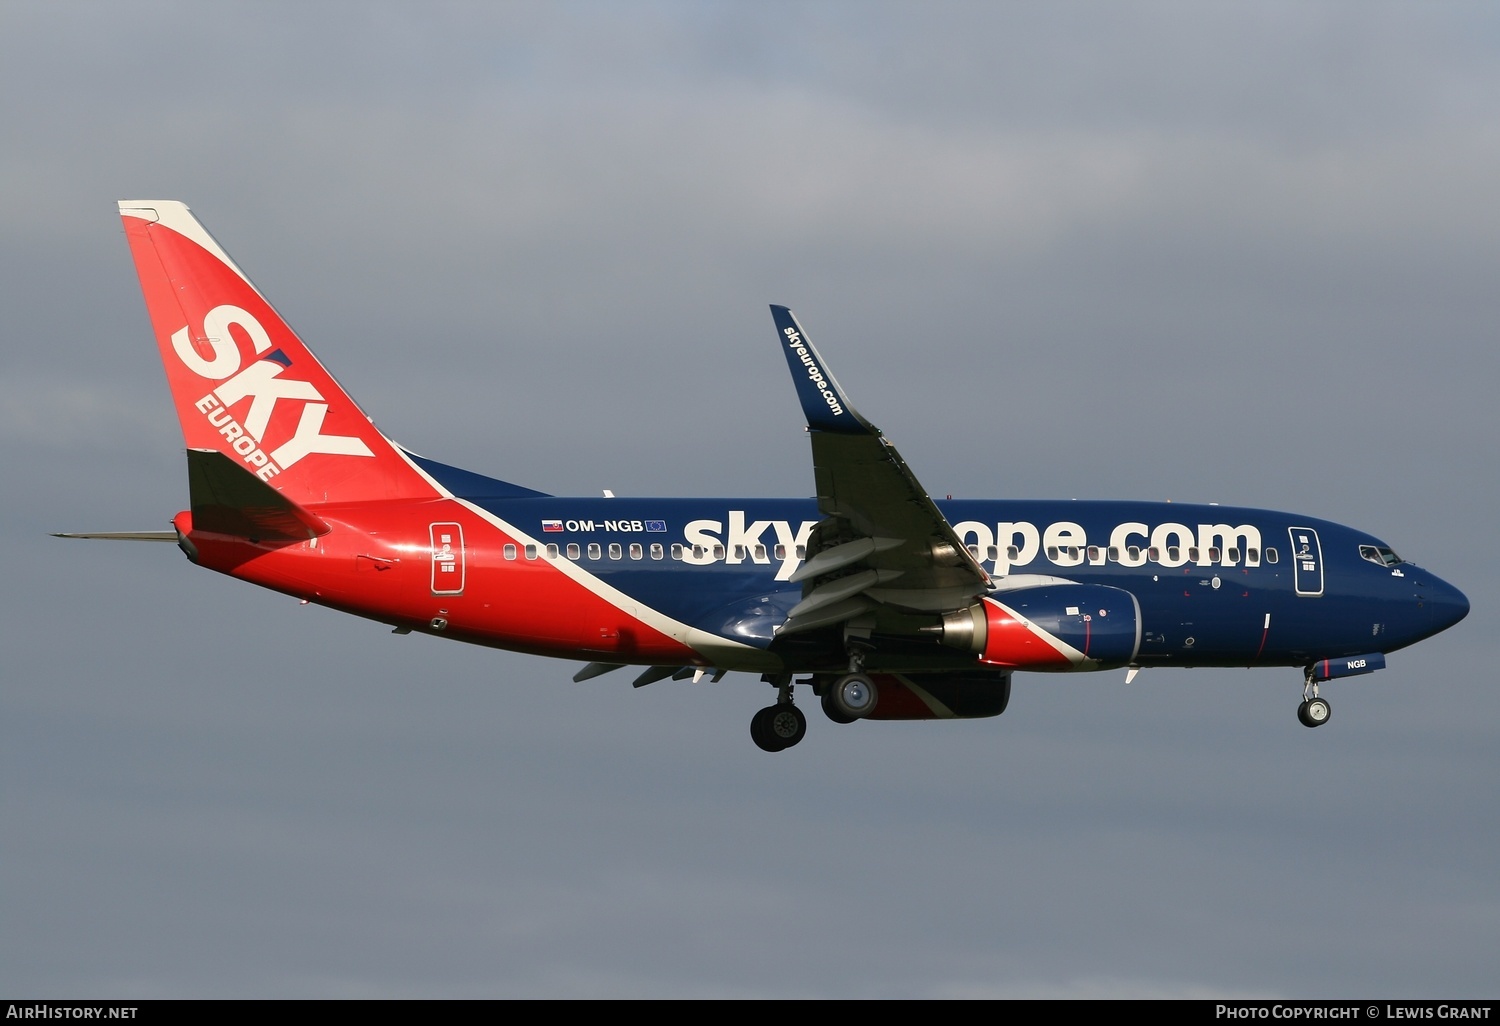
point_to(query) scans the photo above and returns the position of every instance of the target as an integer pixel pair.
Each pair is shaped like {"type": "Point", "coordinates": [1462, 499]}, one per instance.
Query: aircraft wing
{"type": "Point", "coordinates": [882, 542]}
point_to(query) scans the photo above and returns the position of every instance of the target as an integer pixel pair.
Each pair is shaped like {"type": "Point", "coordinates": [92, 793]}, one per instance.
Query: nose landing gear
{"type": "Point", "coordinates": [1314, 711]}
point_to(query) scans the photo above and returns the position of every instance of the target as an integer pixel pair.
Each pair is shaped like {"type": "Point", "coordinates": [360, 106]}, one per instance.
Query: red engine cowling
{"type": "Point", "coordinates": [1052, 627]}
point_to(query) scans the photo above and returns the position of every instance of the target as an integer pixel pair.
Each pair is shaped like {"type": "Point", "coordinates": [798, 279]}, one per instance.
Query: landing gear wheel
{"type": "Point", "coordinates": [760, 730]}
{"type": "Point", "coordinates": [786, 724]}
{"type": "Point", "coordinates": [853, 696]}
{"type": "Point", "coordinates": [778, 727]}
{"type": "Point", "coordinates": [1314, 712]}
{"type": "Point", "coordinates": [831, 709]}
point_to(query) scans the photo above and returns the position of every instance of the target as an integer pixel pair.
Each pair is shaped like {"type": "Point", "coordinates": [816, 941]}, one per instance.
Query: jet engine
{"type": "Point", "coordinates": [1049, 627]}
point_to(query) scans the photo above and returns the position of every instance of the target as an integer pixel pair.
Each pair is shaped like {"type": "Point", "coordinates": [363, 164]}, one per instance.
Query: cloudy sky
{"type": "Point", "coordinates": [1239, 252]}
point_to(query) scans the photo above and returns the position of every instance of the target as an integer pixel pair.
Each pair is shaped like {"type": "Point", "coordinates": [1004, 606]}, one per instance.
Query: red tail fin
{"type": "Point", "coordinates": [244, 384]}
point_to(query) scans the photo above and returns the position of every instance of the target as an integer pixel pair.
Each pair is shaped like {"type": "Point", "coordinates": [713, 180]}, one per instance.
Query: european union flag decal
{"type": "Point", "coordinates": [656, 526]}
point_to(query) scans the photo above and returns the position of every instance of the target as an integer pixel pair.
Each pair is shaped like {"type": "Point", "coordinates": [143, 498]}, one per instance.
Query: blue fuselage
{"type": "Point", "coordinates": [1216, 585]}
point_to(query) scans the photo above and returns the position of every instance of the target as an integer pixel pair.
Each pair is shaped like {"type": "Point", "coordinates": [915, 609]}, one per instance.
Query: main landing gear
{"type": "Point", "coordinates": [1314, 711]}
{"type": "Point", "coordinates": [849, 698]}
{"type": "Point", "coordinates": [852, 697]}
{"type": "Point", "coordinates": [778, 727]}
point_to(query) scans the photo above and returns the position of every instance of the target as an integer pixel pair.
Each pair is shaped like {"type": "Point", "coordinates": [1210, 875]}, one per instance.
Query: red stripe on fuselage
{"type": "Point", "coordinates": [376, 562]}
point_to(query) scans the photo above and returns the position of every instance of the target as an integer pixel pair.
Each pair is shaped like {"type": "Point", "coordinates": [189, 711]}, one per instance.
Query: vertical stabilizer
{"type": "Point", "coordinates": [243, 383]}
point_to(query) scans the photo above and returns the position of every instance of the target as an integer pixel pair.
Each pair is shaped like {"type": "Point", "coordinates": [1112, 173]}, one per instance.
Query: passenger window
{"type": "Point", "coordinates": [1052, 553]}
{"type": "Point", "coordinates": [992, 553]}
{"type": "Point", "coordinates": [1213, 553]}
{"type": "Point", "coordinates": [801, 551]}
{"type": "Point", "coordinates": [676, 550]}
{"type": "Point", "coordinates": [739, 552]}
{"type": "Point", "coordinates": [760, 553]}
{"type": "Point", "coordinates": [780, 551]}
{"type": "Point", "coordinates": [531, 552]}
{"type": "Point", "coordinates": [574, 551]}
{"type": "Point", "coordinates": [1231, 556]}
{"type": "Point", "coordinates": [718, 552]}
{"type": "Point", "coordinates": [594, 551]}
{"type": "Point", "coordinates": [615, 552]}
{"type": "Point", "coordinates": [1271, 556]}
{"type": "Point", "coordinates": [636, 552]}
{"type": "Point", "coordinates": [1173, 553]}
{"type": "Point", "coordinates": [551, 551]}
{"type": "Point", "coordinates": [1093, 553]}
{"type": "Point", "coordinates": [1012, 553]}
{"type": "Point", "coordinates": [698, 551]}
{"type": "Point", "coordinates": [510, 551]}
{"type": "Point", "coordinates": [1193, 554]}
{"type": "Point", "coordinates": [1153, 554]}
{"type": "Point", "coordinates": [1114, 553]}
{"type": "Point", "coordinates": [1252, 557]}
{"type": "Point", "coordinates": [657, 551]}
{"type": "Point", "coordinates": [1135, 552]}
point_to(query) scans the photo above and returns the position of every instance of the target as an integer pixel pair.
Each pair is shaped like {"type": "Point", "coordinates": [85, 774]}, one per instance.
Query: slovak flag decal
{"type": "Point", "coordinates": [549, 526]}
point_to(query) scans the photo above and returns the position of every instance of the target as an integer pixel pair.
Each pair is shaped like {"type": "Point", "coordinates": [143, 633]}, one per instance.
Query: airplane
{"type": "Point", "coordinates": [883, 602]}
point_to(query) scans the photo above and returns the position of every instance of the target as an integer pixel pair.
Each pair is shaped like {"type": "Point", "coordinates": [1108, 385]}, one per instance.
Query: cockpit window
{"type": "Point", "coordinates": [1380, 554]}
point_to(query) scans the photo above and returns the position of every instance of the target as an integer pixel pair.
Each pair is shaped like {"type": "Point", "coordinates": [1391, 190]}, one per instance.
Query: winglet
{"type": "Point", "coordinates": [823, 401]}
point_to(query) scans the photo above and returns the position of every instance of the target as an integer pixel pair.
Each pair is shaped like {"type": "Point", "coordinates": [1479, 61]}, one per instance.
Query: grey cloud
{"type": "Point", "coordinates": [1241, 252]}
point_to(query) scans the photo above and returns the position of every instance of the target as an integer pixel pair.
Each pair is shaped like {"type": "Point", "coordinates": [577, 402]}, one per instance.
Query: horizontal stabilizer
{"type": "Point", "coordinates": [228, 499]}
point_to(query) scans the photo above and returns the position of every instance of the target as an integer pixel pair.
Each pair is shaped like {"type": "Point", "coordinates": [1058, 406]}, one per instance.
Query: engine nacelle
{"type": "Point", "coordinates": [1050, 627]}
{"type": "Point", "coordinates": [940, 696]}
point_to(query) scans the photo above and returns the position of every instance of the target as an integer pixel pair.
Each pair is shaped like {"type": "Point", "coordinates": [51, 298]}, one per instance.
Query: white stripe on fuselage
{"type": "Point", "coordinates": [718, 651]}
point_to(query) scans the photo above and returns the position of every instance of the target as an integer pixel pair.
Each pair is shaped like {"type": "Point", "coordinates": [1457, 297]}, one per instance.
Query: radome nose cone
{"type": "Point", "coordinates": [1448, 605]}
